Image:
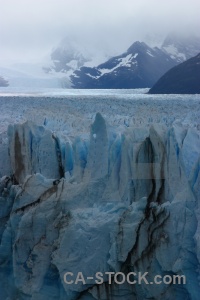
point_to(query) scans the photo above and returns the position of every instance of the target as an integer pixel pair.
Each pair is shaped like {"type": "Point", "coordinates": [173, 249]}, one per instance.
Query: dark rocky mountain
{"type": "Point", "coordinates": [182, 79]}
{"type": "Point", "coordinates": [139, 67]}
{"type": "Point", "coordinates": [3, 82]}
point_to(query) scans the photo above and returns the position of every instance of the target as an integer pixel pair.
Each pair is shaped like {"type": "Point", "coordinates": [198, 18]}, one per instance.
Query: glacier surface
{"type": "Point", "coordinates": [99, 184]}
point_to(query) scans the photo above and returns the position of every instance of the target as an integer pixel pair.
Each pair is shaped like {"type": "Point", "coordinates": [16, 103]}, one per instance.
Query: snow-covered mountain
{"type": "Point", "coordinates": [139, 67]}
{"type": "Point", "coordinates": [181, 48]}
{"type": "Point", "coordinates": [70, 55]}
{"type": "Point", "coordinates": [67, 57]}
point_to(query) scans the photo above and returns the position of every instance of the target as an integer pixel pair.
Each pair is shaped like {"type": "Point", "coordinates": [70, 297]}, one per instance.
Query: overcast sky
{"type": "Point", "coordinates": [29, 29]}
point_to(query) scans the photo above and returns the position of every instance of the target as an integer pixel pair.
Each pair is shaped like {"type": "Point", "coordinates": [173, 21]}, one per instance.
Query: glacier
{"type": "Point", "coordinates": [85, 191]}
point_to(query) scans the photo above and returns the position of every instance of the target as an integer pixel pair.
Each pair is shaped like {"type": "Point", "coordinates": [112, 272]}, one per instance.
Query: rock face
{"type": "Point", "coordinates": [128, 202]}
{"type": "Point", "coordinates": [182, 79]}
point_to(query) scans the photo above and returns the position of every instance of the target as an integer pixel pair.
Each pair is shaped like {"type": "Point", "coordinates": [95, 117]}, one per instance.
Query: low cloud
{"type": "Point", "coordinates": [29, 29]}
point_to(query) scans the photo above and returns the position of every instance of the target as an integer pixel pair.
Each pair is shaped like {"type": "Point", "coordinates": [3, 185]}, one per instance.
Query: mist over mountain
{"type": "Point", "coordinates": [73, 63]}
{"type": "Point", "coordinates": [31, 76]}
{"type": "Point", "coordinates": [180, 47]}
{"type": "Point", "coordinates": [113, 191]}
{"type": "Point", "coordinates": [72, 54]}
{"type": "Point", "coordinates": [68, 56]}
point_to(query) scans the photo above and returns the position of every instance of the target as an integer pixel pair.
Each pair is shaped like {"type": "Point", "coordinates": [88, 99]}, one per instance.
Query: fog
{"type": "Point", "coordinates": [30, 29]}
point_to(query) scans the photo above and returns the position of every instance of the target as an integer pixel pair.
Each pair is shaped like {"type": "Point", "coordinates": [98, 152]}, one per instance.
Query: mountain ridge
{"type": "Point", "coordinates": [139, 67]}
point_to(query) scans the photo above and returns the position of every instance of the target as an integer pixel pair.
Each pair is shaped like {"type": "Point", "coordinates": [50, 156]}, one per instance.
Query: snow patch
{"type": "Point", "coordinates": [149, 53]}
{"type": "Point", "coordinates": [174, 53]}
{"type": "Point", "coordinates": [88, 74]}
{"type": "Point", "coordinates": [73, 64]}
{"type": "Point", "coordinates": [123, 62]}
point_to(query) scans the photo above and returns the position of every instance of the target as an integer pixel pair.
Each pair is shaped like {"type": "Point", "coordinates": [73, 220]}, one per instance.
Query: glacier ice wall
{"type": "Point", "coordinates": [112, 202]}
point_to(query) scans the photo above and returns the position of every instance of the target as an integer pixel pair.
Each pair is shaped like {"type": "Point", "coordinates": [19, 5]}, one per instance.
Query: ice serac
{"type": "Point", "coordinates": [97, 163]}
{"type": "Point", "coordinates": [33, 149]}
{"type": "Point", "coordinates": [5, 167]}
{"type": "Point", "coordinates": [125, 202]}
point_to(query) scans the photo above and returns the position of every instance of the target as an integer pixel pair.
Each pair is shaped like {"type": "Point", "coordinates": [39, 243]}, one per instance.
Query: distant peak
{"type": "Point", "coordinates": [137, 46]}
